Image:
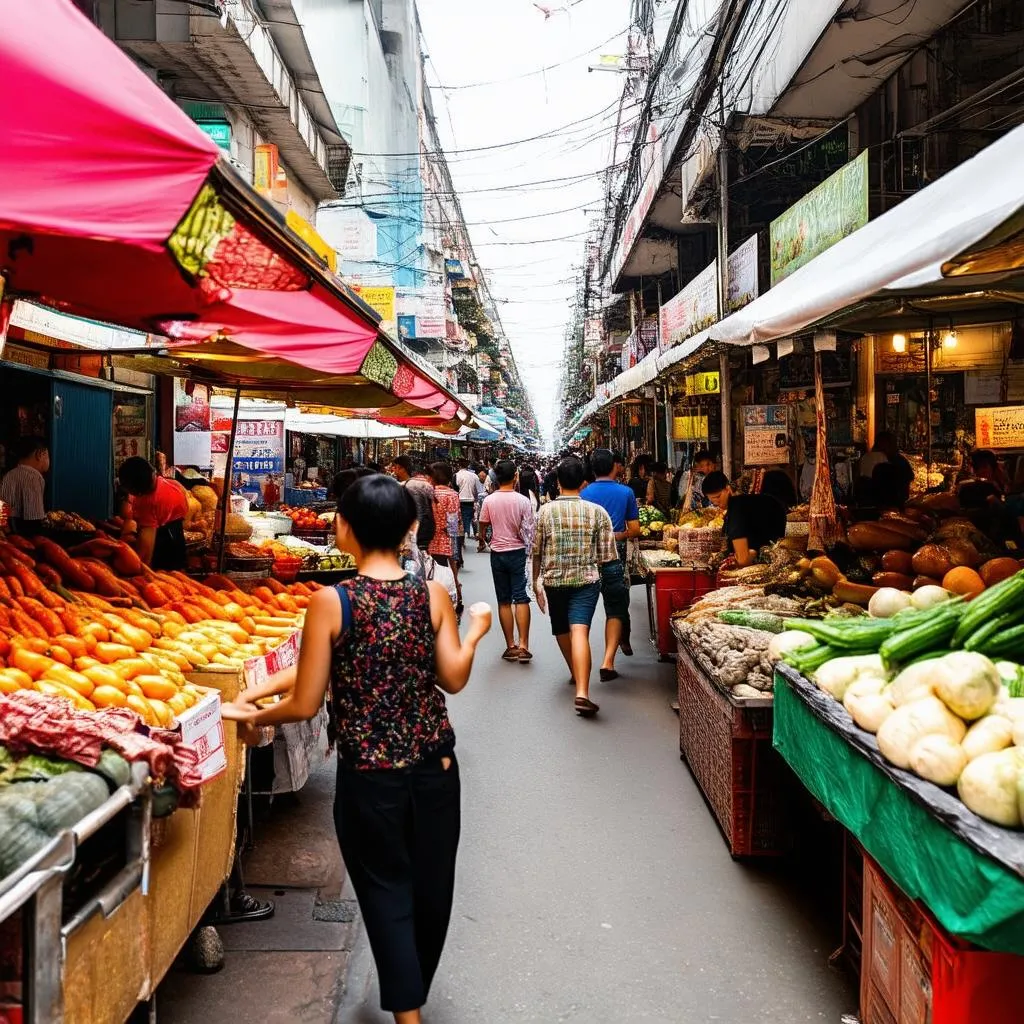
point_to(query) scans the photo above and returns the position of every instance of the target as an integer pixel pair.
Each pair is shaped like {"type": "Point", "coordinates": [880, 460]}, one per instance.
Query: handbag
{"type": "Point", "coordinates": [430, 570]}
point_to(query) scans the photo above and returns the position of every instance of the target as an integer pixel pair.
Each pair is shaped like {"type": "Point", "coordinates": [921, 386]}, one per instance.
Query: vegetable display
{"type": "Point", "coordinates": [941, 685]}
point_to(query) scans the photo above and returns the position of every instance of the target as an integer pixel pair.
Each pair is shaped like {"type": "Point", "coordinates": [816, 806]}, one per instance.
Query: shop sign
{"type": "Point", "coordinates": [592, 330]}
{"type": "Point", "coordinates": [352, 232]}
{"type": "Point", "coordinates": [192, 425]}
{"type": "Point", "coordinates": [693, 309]}
{"type": "Point", "coordinates": [743, 275]}
{"type": "Point", "coordinates": [75, 330]}
{"type": "Point", "coordinates": [265, 167]}
{"type": "Point", "coordinates": [455, 269]}
{"type": "Point", "coordinates": [690, 425]}
{"type": "Point", "coordinates": [219, 131]}
{"type": "Point", "coordinates": [309, 234]}
{"type": "Point", "coordinates": [982, 388]}
{"type": "Point", "coordinates": [130, 429]}
{"type": "Point", "coordinates": [425, 308]}
{"type": "Point", "coordinates": [696, 384]}
{"type": "Point", "coordinates": [766, 438]}
{"type": "Point", "coordinates": [1001, 427]}
{"type": "Point", "coordinates": [835, 209]}
{"type": "Point", "coordinates": [378, 297]}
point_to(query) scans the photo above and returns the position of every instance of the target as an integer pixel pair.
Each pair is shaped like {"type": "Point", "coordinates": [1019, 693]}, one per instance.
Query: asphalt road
{"type": "Point", "coordinates": [593, 884]}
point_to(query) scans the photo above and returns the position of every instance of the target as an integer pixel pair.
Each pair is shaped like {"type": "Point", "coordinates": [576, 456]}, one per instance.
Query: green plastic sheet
{"type": "Point", "coordinates": [973, 896]}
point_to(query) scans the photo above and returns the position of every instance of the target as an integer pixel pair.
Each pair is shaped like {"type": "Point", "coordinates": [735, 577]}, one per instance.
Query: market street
{"type": "Point", "coordinates": [593, 884]}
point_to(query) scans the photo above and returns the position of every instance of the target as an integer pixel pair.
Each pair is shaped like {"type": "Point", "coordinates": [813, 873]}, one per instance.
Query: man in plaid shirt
{"type": "Point", "coordinates": [574, 539]}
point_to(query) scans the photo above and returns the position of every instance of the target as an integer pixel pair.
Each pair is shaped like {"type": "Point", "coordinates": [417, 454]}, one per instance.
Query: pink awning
{"type": "Point", "coordinates": [92, 148]}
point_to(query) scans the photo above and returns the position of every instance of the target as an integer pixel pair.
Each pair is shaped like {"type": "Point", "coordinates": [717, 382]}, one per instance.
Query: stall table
{"type": "Point", "coordinates": [943, 913]}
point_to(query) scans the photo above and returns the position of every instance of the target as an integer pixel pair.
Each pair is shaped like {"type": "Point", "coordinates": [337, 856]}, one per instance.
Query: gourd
{"type": "Point", "coordinates": [967, 683]}
{"type": "Point", "coordinates": [987, 735]}
{"type": "Point", "coordinates": [114, 768]}
{"type": "Point", "coordinates": [67, 800]}
{"type": "Point", "coordinates": [19, 841]}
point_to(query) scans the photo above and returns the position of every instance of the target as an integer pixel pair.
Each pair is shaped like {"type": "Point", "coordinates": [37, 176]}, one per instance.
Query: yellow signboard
{"type": "Point", "coordinates": [690, 425]}
{"type": "Point", "coordinates": [380, 298]}
{"type": "Point", "coordinates": [312, 238]}
{"type": "Point", "coordinates": [999, 427]}
{"type": "Point", "coordinates": [702, 384]}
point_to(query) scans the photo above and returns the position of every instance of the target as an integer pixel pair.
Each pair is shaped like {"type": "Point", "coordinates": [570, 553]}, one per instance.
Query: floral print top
{"type": "Point", "coordinates": [385, 701]}
{"type": "Point", "coordinates": [448, 520]}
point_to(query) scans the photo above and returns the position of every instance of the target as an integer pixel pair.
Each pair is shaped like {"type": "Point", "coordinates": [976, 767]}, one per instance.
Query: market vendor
{"type": "Point", "coordinates": [23, 488]}
{"type": "Point", "coordinates": [159, 508]}
{"type": "Point", "coordinates": [751, 520]}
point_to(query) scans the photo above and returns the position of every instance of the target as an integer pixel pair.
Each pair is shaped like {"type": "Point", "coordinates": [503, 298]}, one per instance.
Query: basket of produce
{"type": "Point", "coordinates": [652, 523]}
{"type": "Point", "coordinates": [67, 528]}
{"type": "Point", "coordinates": [243, 556]}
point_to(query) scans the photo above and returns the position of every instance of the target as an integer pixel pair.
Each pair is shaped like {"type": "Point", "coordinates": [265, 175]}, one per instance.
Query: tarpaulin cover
{"type": "Point", "coordinates": [969, 873]}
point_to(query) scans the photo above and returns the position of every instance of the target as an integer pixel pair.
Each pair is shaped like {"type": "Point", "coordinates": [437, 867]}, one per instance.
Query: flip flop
{"type": "Point", "coordinates": [511, 654]}
{"type": "Point", "coordinates": [585, 707]}
{"type": "Point", "coordinates": [608, 674]}
{"type": "Point", "coordinates": [525, 656]}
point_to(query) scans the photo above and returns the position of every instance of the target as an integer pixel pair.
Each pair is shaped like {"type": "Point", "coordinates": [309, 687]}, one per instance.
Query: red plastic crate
{"type": "Point", "coordinates": [928, 977]}
{"type": "Point", "coordinates": [674, 591]}
{"type": "Point", "coordinates": [729, 751]}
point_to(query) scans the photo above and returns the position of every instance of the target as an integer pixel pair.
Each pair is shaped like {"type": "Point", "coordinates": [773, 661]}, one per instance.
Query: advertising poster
{"type": "Point", "coordinates": [192, 425]}
{"type": "Point", "coordinates": [743, 275]}
{"type": "Point", "coordinates": [423, 310]}
{"type": "Point", "coordinates": [693, 309]}
{"type": "Point", "coordinates": [130, 429]}
{"type": "Point", "coordinates": [765, 435]}
{"type": "Point", "coordinates": [835, 209]}
{"type": "Point", "coordinates": [1002, 427]}
{"type": "Point", "coordinates": [257, 470]}
{"type": "Point", "coordinates": [378, 297]}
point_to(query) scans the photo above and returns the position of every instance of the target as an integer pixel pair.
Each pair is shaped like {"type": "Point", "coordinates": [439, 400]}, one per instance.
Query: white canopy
{"type": "Point", "coordinates": [901, 252]}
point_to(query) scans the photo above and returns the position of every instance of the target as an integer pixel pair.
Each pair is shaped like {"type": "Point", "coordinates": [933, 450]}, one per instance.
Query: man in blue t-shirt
{"type": "Point", "coordinates": [619, 502]}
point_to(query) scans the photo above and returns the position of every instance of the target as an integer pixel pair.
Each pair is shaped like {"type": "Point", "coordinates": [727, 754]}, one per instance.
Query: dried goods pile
{"type": "Point", "coordinates": [732, 634]}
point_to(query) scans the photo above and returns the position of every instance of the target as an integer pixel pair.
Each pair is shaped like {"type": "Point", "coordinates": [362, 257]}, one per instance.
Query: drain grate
{"type": "Point", "coordinates": [337, 911]}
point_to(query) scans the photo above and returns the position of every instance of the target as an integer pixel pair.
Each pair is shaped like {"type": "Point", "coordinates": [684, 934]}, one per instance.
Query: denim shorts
{"type": "Point", "coordinates": [509, 571]}
{"type": "Point", "coordinates": [572, 606]}
{"type": "Point", "coordinates": [615, 590]}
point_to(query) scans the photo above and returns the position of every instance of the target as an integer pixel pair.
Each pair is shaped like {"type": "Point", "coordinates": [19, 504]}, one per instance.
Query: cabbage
{"type": "Point", "coordinates": [938, 759]}
{"type": "Point", "coordinates": [901, 730]}
{"type": "Point", "coordinates": [989, 786]}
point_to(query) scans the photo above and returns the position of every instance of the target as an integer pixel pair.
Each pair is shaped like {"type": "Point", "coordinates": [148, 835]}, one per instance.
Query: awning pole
{"type": "Point", "coordinates": [228, 476]}
{"type": "Point", "coordinates": [928, 396]}
{"type": "Point", "coordinates": [726, 429]}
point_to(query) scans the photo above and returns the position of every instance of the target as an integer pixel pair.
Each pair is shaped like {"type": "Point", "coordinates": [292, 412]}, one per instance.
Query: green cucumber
{"type": "Point", "coordinates": [909, 644]}
{"type": "Point", "coordinates": [1007, 643]}
{"type": "Point", "coordinates": [768, 622]}
{"type": "Point", "coordinates": [1002, 599]}
{"type": "Point", "coordinates": [977, 640]}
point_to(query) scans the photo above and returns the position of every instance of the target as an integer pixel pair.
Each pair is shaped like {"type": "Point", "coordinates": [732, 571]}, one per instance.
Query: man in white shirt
{"type": "Point", "coordinates": [23, 488]}
{"type": "Point", "coordinates": [467, 483]}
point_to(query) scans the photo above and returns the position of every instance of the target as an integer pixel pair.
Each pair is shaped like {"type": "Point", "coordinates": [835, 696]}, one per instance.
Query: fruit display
{"type": "Point", "coordinates": [94, 626]}
{"type": "Point", "coordinates": [307, 520]}
{"type": "Point", "coordinates": [941, 685]}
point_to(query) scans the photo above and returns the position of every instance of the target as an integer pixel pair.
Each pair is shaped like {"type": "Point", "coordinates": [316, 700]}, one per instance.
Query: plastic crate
{"type": "Point", "coordinates": [674, 591]}
{"type": "Point", "coordinates": [296, 496]}
{"type": "Point", "coordinates": [920, 974]}
{"type": "Point", "coordinates": [728, 748]}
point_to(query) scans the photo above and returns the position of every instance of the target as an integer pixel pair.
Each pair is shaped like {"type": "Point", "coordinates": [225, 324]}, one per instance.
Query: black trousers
{"type": "Point", "coordinates": [399, 834]}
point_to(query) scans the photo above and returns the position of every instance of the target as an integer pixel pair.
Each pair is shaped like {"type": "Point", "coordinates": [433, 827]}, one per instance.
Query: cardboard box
{"type": "Point", "coordinates": [258, 670]}
{"type": "Point", "coordinates": [106, 968]}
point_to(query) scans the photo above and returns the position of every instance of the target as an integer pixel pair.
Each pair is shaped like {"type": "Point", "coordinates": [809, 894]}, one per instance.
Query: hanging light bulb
{"type": "Point", "coordinates": [899, 343]}
{"type": "Point", "coordinates": [949, 338]}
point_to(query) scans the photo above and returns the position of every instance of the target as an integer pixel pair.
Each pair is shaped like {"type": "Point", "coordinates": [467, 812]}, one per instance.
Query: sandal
{"type": "Point", "coordinates": [525, 656]}
{"type": "Point", "coordinates": [585, 707]}
{"type": "Point", "coordinates": [511, 654]}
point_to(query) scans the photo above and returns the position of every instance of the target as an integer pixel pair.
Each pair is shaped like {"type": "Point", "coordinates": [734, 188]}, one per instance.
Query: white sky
{"type": "Point", "coordinates": [492, 40]}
